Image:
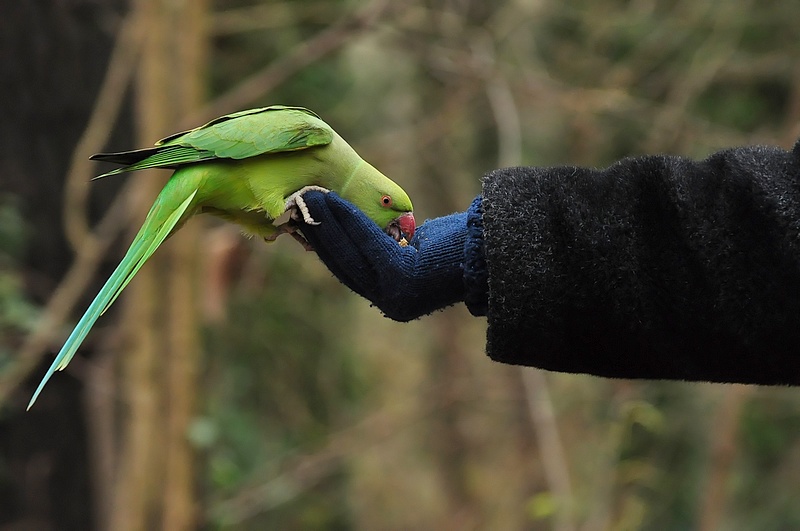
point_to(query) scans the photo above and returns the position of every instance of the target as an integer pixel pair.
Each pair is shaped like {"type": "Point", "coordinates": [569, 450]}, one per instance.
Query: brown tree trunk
{"type": "Point", "coordinates": [723, 451]}
{"type": "Point", "coordinates": [155, 480]}
{"type": "Point", "coordinates": [179, 510]}
{"type": "Point", "coordinates": [138, 472]}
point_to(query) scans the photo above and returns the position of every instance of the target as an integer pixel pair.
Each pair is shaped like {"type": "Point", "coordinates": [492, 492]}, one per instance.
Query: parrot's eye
{"type": "Point", "coordinates": [386, 201]}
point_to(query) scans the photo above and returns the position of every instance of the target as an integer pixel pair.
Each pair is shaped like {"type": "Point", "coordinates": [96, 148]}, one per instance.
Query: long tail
{"type": "Point", "coordinates": [160, 222]}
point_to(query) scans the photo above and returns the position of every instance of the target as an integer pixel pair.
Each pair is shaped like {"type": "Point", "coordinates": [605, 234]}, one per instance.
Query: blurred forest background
{"type": "Point", "coordinates": [237, 385]}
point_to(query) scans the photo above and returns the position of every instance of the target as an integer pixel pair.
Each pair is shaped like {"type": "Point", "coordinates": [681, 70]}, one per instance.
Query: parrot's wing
{"type": "Point", "coordinates": [256, 132]}
{"type": "Point", "coordinates": [169, 157]}
{"type": "Point", "coordinates": [239, 135]}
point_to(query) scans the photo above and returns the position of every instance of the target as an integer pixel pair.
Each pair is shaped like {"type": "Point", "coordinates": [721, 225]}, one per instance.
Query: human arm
{"type": "Point", "coordinates": [656, 267]}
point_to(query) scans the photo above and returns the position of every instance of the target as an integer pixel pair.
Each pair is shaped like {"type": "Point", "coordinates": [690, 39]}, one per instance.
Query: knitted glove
{"type": "Point", "coordinates": [403, 282]}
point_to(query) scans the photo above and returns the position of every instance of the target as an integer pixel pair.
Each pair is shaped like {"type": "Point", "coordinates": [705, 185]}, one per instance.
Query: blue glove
{"type": "Point", "coordinates": [403, 282]}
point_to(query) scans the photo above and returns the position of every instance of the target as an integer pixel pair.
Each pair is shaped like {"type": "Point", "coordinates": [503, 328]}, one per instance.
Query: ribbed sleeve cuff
{"type": "Point", "coordinates": [476, 275]}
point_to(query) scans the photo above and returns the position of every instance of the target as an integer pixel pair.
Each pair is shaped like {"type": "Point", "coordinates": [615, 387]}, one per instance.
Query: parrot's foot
{"type": "Point", "coordinates": [290, 228]}
{"type": "Point", "coordinates": [276, 230]}
{"type": "Point", "coordinates": [297, 205]}
{"type": "Point", "coordinates": [302, 241]}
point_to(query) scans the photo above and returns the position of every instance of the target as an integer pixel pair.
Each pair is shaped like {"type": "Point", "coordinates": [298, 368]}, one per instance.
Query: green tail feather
{"type": "Point", "coordinates": [170, 157]}
{"type": "Point", "coordinates": [142, 249]}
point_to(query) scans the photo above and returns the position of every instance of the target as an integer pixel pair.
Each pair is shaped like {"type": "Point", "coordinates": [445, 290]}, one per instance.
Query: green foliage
{"type": "Point", "coordinates": [541, 506]}
{"type": "Point", "coordinates": [766, 485]}
{"type": "Point", "coordinates": [280, 379]}
{"type": "Point", "coordinates": [17, 314]}
{"type": "Point", "coordinates": [746, 106]}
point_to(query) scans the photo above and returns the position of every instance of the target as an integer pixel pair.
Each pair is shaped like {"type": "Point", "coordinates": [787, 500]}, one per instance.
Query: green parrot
{"type": "Point", "coordinates": [248, 167]}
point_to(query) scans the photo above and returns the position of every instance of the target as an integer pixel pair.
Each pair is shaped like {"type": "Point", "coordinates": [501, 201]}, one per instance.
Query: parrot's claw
{"type": "Point", "coordinates": [297, 205]}
{"type": "Point", "coordinates": [302, 241]}
{"type": "Point", "coordinates": [284, 228]}
{"type": "Point", "coordinates": [290, 228]}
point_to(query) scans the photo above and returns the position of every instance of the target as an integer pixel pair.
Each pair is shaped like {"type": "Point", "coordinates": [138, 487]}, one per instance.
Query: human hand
{"type": "Point", "coordinates": [403, 282]}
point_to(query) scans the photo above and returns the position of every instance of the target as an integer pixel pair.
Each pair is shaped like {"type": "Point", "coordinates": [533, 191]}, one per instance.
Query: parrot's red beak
{"type": "Point", "coordinates": [402, 227]}
{"type": "Point", "coordinates": [407, 225]}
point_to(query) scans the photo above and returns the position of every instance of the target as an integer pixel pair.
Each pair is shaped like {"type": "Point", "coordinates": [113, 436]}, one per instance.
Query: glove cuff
{"type": "Point", "coordinates": [476, 274]}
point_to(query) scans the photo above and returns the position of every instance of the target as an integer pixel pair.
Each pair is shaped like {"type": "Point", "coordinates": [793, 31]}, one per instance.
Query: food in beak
{"type": "Point", "coordinates": [402, 226]}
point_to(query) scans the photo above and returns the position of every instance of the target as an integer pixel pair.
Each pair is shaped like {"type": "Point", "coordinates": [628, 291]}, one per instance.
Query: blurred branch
{"type": "Point", "coordinates": [269, 16]}
{"type": "Point", "coordinates": [746, 68]}
{"type": "Point", "coordinates": [324, 43]}
{"type": "Point", "coordinates": [553, 456]}
{"type": "Point", "coordinates": [109, 101]}
{"type": "Point", "coordinates": [506, 115]}
{"type": "Point", "coordinates": [707, 60]}
{"type": "Point", "coordinates": [302, 473]}
{"type": "Point", "coordinates": [607, 460]}
{"type": "Point", "coordinates": [723, 451]}
{"type": "Point", "coordinates": [580, 100]}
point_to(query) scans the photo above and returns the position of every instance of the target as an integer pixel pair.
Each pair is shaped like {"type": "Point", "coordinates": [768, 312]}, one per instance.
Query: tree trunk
{"type": "Point", "coordinates": [724, 447]}
{"type": "Point", "coordinates": [179, 511]}
{"type": "Point", "coordinates": [155, 480]}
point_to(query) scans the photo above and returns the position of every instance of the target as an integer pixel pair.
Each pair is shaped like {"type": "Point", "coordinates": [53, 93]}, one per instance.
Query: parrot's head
{"type": "Point", "coordinates": [392, 211]}
{"type": "Point", "coordinates": [385, 203]}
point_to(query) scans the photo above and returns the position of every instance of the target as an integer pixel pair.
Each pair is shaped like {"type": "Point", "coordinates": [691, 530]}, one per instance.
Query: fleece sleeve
{"type": "Point", "coordinates": [656, 267]}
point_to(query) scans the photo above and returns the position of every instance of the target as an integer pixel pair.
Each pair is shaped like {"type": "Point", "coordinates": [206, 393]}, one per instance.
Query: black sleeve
{"type": "Point", "coordinates": [656, 267]}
